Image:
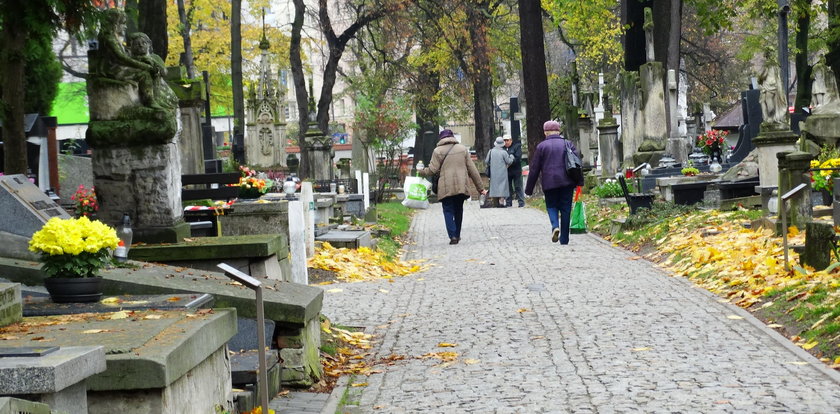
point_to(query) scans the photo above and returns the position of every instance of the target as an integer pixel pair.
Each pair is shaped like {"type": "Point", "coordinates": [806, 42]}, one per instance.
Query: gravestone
{"type": "Point", "coordinates": [11, 310]}
{"type": "Point", "coordinates": [823, 127]}
{"type": "Point", "coordinates": [25, 210]}
{"type": "Point", "coordinates": [751, 111]}
{"type": "Point", "coordinates": [266, 124]}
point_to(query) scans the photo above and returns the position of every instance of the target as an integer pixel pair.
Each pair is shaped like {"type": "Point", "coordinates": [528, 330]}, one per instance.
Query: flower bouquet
{"type": "Point", "coordinates": [72, 252]}
{"type": "Point", "coordinates": [711, 142]}
{"type": "Point", "coordinates": [85, 200]}
{"type": "Point", "coordinates": [823, 179]}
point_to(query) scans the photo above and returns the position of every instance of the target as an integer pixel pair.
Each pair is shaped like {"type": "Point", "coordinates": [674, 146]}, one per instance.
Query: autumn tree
{"type": "Point", "coordinates": [211, 47]}
{"type": "Point", "coordinates": [360, 14]}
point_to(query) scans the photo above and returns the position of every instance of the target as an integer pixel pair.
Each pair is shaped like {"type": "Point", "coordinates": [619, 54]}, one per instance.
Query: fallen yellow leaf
{"type": "Point", "coordinates": [644, 348]}
{"type": "Point", "coordinates": [152, 317]}
{"type": "Point", "coordinates": [810, 345]}
{"type": "Point", "coordinates": [119, 315]}
{"type": "Point", "coordinates": [94, 331]}
{"type": "Point", "coordinates": [446, 345]}
{"type": "Point", "coordinates": [523, 310]}
{"type": "Point", "coordinates": [359, 384]}
{"type": "Point", "coordinates": [111, 301]}
{"type": "Point", "coordinates": [734, 317]}
{"type": "Point", "coordinates": [336, 290]}
{"type": "Point", "coordinates": [470, 361]}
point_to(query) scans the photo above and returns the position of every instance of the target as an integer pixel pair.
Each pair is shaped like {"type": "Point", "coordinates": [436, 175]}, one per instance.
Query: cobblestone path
{"type": "Point", "coordinates": [545, 328]}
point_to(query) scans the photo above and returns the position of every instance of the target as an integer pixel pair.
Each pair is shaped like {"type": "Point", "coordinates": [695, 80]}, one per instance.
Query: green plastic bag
{"type": "Point", "coordinates": [578, 225]}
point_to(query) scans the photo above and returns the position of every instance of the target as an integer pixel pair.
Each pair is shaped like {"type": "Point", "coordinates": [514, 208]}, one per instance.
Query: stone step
{"type": "Point", "coordinates": [17, 406]}
{"type": "Point", "coordinates": [11, 310]}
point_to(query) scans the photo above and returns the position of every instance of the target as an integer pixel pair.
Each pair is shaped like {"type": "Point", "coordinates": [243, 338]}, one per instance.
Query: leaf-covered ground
{"type": "Point", "coordinates": [722, 253]}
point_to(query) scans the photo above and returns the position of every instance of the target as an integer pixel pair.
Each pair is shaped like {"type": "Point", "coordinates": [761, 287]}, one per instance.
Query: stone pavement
{"type": "Point", "coordinates": [541, 327]}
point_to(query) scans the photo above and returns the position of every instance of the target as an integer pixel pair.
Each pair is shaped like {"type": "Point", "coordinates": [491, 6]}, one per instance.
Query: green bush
{"type": "Point", "coordinates": [611, 188]}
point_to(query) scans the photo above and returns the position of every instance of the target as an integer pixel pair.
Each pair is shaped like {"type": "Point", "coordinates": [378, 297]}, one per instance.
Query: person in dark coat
{"type": "Point", "coordinates": [549, 162]}
{"type": "Point", "coordinates": [452, 160]}
{"type": "Point", "coordinates": [514, 172]}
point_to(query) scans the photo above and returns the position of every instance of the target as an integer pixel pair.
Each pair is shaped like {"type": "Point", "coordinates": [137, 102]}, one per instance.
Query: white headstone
{"type": "Point", "coordinates": [358, 174]}
{"type": "Point", "coordinates": [306, 197]}
{"type": "Point", "coordinates": [366, 190]}
{"type": "Point", "coordinates": [297, 242]}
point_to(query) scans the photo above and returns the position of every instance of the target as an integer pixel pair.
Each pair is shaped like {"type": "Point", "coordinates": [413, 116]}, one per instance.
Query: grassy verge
{"type": "Point", "coordinates": [394, 220]}
{"type": "Point", "coordinates": [720, 252]}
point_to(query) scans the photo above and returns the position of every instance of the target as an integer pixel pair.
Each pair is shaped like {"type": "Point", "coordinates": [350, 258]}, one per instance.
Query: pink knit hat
{"type": "Point", "coordinates": [551, 126]}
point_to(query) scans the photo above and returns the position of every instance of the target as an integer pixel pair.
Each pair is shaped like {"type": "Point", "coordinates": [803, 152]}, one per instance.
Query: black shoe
{"type": "Point", "coordinates": [521, 204]}
{"type": "Point", "coordinates": [454, 240]}
{"type": "Point", "coordinates": [508, 204]}
{"type": "Point", "coordinates": [555, 235]}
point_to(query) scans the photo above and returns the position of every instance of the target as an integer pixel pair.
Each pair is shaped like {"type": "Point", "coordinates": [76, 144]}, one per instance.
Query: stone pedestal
{"type": "Point", "coordinates": [144, 182]}
{"type": "Point", "coordinates": [56, 378]}
{"type": "Point", "coordinates": [768, 143]}
{"type": "Point", "coordinates": [609, 146]}
{"type": "Point", "coordinates": [793, 167]}
{"type": "Point", "coordinates": [10, 304]}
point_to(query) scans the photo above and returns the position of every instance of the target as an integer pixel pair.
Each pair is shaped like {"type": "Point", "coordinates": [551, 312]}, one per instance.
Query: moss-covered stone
{"type": "Point", "coordinates": [201, 248]}
{"type": "Point", "coordinates": [135, 126]}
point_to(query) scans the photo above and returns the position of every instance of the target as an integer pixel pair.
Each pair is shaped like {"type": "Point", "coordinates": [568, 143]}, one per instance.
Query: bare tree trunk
{"type": "Point", "coordinates": [236, 80]}
{"type": "Point", "coordinates": [633, 17]}
{"type": "Point", "coordinates": [187, 57]}
{"type": "Point", "coordinates": [301, 95]}
{"type": "Point", "coordinates": [477, 21]}
{"type": "Point", "coordinates": [337, 44]}
{"type": "Point", "coordinates": [152, 21]}
{"type": "Point", "coordinates": [803, 69]}
{"type": "Point", "coordinates": [12, 64]}
{"type": "Point", "coordinates": [534, 75]}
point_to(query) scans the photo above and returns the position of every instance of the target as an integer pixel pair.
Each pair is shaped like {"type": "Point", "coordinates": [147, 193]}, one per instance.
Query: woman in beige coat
{"type": "Point", "coordinates": [456, 169]}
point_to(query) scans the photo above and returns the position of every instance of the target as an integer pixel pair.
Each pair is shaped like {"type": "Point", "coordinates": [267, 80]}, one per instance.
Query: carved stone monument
{"type": "Point", "coordinates": [774, 135]}
{"type": "Point", "coordinates": [823, 126]}
{"type": "Point", "coordinates": [134, 133]}
{"type": "Point", "coordinates": [678, 145]}
{"type": "Point", "coordinates": [643, 107]}
{"type": "Point", "coordinates": [266, 124]}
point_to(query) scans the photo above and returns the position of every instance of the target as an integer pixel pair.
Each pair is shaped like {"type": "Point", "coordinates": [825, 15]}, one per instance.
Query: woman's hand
{"type": "Point", "coordinates": [484, 192]}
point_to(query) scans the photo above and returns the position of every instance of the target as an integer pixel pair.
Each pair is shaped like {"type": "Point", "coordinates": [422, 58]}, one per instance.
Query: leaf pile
{"type": "Point", "coordinates": [362, 264]}
{"type": "Point", "coordinates": [747, 267]}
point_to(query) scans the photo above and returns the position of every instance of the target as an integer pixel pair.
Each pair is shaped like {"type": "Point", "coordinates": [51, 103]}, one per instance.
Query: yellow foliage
{"type": "Point", "coordinates": [362, 264]}
{"type": "Point", "coordinates": [744, 264]}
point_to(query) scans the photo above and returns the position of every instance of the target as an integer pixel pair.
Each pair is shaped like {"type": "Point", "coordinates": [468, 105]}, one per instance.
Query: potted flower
{"type": "Point", "coordinates": [822, 180]}
{"type": "Point", "coordinates": [72, 252]}
{"type": "Point", "coordinates": [85, 200]}
{"type": "Point", "coordinates": [251, 185]}
{"type": "Point", "coordinates": [690, 171]}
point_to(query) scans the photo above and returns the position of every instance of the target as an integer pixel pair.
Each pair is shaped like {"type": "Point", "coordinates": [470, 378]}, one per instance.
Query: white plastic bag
{"type": "Point", "coordinates": [416, 192]}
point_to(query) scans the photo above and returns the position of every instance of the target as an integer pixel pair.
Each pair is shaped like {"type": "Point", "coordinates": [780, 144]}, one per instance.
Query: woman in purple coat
{"type": "Point", "coordinates": [549, 162]}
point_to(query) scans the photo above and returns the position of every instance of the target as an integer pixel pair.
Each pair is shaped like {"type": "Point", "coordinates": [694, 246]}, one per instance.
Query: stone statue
{"type": "Point", "coordinates": [154, 91]}
{"type": "Point", "coordinates": [824, 95]}
{"type": "Point", "coordinates": [130, 103]}
{"type": "Point", "coordinates": [773, 96]}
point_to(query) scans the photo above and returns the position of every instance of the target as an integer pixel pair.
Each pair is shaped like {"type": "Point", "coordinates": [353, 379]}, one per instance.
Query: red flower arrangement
{"type": "Point", "coordinates": [711, 141]}
{"type": "Point", "coordinates": [85, 200]}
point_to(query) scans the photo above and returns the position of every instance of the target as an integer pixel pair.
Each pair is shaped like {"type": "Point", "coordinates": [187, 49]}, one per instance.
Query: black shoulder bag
{"type": "Point", "coordinates": [436, 177]}
{"type": "Point", "coordinates": [574, 166]}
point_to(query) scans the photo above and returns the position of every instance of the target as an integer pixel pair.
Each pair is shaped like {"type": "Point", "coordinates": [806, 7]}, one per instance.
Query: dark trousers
{"type": "Point", "coordinates": [515, 186]}
{"type": "Point", "coordinates": [453, 214]}
{"type": "Point", "coordinates": [558, 201]}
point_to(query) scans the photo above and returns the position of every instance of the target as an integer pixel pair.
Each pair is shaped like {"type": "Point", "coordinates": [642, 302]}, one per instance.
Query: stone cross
{"type": "Point", "coordinates": [648, 26]}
